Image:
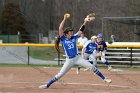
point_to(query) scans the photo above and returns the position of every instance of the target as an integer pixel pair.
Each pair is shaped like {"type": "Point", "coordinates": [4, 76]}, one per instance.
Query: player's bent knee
{"type": "Point", "coordinates": [94, 69]}
{"type": "Point", "coordinates": [103, 60]}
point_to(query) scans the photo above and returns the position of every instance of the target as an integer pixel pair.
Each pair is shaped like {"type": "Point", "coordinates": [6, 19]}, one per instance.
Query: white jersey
{"type": "Point", "coordinates": [82, 40]}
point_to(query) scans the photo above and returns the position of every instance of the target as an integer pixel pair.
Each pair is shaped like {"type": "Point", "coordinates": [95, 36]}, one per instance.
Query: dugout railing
{"type": "Point", "coordinates": [123, 56]}
{"type": "Point", "coordinates": [120, 53]}
{"type": "Point", "coordinates": [123, 53]}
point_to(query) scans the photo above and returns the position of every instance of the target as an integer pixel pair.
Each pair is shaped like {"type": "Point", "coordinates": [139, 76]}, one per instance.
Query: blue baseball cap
{"type": "Point", "coordinates": [100, 36]}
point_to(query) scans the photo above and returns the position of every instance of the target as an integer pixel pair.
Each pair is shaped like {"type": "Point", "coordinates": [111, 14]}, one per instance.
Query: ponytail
{"type": "Point", "coordinates": [57, 44]}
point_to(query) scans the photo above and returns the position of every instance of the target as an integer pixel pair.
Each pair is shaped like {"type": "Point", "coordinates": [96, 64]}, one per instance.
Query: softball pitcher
{"type": "Point", "coordinates": [102, 47]}
{"type": "Point", "coordinates": [69, 44]}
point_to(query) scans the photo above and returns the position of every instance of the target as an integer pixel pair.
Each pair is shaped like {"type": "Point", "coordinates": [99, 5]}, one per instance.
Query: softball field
{"type": "Point", "coordinates": [27, 80]}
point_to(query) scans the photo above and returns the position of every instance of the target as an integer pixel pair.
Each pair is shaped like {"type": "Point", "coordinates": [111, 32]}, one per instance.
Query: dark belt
{"type": "Point", "coordinates": [72, 56]}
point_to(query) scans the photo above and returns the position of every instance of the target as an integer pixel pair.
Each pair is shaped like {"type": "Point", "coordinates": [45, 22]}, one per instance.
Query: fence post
{"type": "Point", "coordinates": [28, 55]}
{"type": "Point", "coordinates": [18, 37]}
{"type": "Point", "coordinates": [131, 57]}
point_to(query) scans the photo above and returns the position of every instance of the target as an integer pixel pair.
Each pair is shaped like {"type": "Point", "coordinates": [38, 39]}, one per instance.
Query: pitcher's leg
{"type": "Point", "coordinates": [86, 64]}
{"type": "Point", "coordinates": [66, 67]}
{"type": "Point", "coordinates": [93, 59]}
{"type": "Point", "coordinates": [85, 56]}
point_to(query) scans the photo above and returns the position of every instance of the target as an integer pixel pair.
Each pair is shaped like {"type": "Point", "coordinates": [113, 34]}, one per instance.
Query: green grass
{"type": "Point", "coordinates": [44, 53]}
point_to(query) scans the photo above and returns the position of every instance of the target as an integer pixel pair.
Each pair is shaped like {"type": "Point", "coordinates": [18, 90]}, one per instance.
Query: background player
{"type": "Point", "coordinates": [89, 52]}
{"type": "Point", "coordinates": [68, 41]}
{"type": "Point", "coordinates": [82, 39]}
{"type": "Point", "coordinates": [102, 47]}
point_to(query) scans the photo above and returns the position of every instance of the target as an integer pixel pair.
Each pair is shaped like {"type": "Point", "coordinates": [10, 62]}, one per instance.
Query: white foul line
{"type": "Point", "coordinates": [119, 86]}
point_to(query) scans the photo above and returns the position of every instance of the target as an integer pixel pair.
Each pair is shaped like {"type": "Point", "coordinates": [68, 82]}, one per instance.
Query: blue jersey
{"type": "Point", "coordinates": [69, 45]}
{"type": "Point", "coordinates": [90, 47]}
{"type": "Point", "coordinates": [102, 46]}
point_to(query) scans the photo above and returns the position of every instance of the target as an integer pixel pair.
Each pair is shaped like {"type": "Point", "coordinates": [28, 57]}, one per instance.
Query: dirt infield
{"type": "Point", "coordinates": [27, 80]}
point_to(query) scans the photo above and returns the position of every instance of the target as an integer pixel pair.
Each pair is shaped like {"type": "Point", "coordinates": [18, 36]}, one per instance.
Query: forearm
{"type": "Point", "coordinates": [61, 26]}
{"type": "Point", "coordinates": [84, 22]}
{"type": "Point", "coordinates": [83, 50]}
{"type": "Point", "coordinates": [82, 28]}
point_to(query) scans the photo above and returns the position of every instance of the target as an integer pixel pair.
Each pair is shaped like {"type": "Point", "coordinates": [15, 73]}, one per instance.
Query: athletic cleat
{"type": "Point", "coordinates": [43, 86]}
{"type": "Point", "coordinates": [108, 80]}
{"type": "Point", "coordinates": [109, 68]}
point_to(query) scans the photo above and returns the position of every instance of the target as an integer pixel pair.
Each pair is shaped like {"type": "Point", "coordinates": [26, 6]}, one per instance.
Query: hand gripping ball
{"type": "Point", "coordinates": [67, 15]}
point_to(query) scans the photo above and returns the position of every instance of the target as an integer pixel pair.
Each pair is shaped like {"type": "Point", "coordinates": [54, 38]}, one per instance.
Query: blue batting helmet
{"type": "Point", "coordinates": [100, 35]}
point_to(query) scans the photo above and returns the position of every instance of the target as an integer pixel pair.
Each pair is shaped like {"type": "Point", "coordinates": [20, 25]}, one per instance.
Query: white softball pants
{"type": "Point", "coordinates": [103, 56]}
{"type": "Point", "coordinates": [91, 57]}
{"type": "Point", "coordinates": [78, 60]}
